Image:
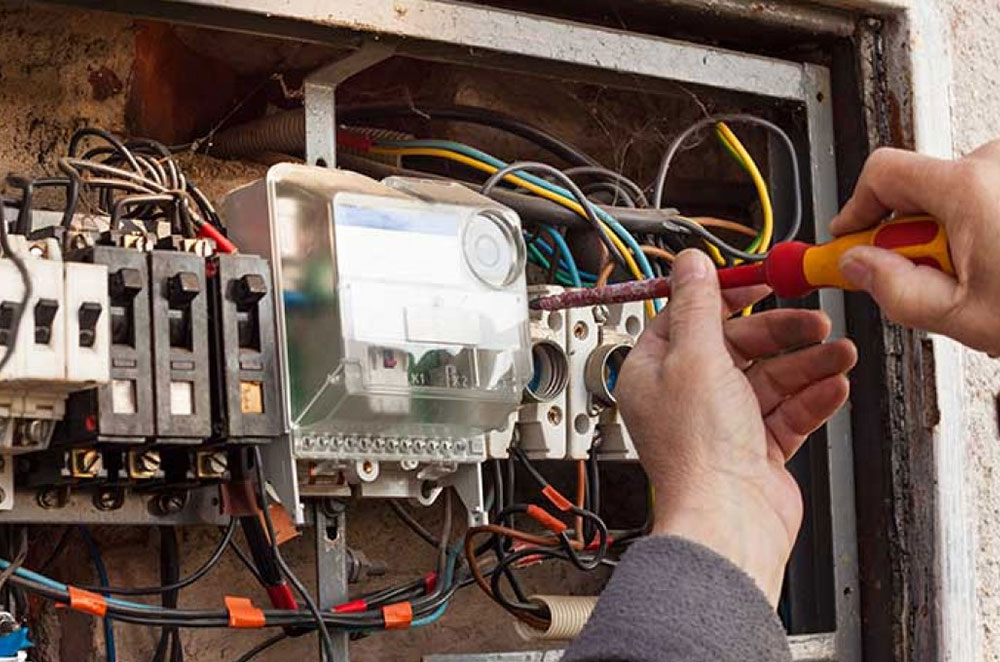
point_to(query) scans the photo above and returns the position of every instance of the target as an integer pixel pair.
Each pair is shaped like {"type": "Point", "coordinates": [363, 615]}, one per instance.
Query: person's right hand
{"type": "Point", "coordinates": [965, 196]}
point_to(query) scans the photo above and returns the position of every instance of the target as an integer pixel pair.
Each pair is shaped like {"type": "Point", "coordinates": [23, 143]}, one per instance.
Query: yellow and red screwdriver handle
{"type": "Point", "coordinates": [792, 268]}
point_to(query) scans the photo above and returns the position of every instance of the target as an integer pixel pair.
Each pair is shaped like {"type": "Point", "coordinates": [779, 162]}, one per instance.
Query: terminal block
{"type": "Point", "coordinates": [246, 391]}
{"type": "Point", "coordinates": [179, 328]}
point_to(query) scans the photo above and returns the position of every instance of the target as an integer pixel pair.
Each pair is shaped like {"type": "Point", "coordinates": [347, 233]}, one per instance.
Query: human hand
{"type": "Point", "coordinates": [716, 408]}
{"type": "Point", "coordinates": [965, 196]}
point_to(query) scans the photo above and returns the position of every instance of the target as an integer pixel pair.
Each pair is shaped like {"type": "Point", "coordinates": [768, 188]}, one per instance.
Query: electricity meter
{"type": "Point", "coordinates": [403, 321]}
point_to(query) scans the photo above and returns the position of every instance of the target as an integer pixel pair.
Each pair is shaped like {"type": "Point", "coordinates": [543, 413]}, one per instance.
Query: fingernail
{"type": "Point", "coordinates": [690, 265]}
{"type": "Point", "coordinates": [855, 271]}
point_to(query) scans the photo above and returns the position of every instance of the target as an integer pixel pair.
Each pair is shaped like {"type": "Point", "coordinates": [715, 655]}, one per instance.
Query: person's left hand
{"type": "Point", "coordinates": [717, 407]}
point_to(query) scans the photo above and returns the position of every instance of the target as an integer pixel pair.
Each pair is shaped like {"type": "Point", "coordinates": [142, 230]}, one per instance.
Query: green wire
{"type": "Point", "coordinates": [755, 246]}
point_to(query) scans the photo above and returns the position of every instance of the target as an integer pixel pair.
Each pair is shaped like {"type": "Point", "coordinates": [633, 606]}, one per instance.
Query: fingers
{"type": "Point", "coordinates": [694, 323]}
{"type": "Point", "coordinates": [654, 338]}
{"type": "Point", "coordinates": [774, 331]}
{"type": "Point", "coordinates": [908, 294]}
{"type": "Point", "coordinates": [896, 180]}
{"type": "Point", "coordinates": [778, 378]}
{"type": "Point", "coordinates": [796, 417]}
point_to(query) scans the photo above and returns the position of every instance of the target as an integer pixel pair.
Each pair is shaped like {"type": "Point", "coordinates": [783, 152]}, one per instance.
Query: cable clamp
{"type": "Point", "coordinates": [398, 616]}
{"type": "Point", "coordinates": [242, 613]}
{"type": "Point", "coordinates": [87, 602]}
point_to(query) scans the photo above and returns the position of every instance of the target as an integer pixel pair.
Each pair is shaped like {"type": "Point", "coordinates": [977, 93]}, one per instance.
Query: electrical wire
{"type": "Point", "coordinates": [102, 575]}
{"type": "Point", "coordinates": [661, 176]}
{"type": "Point", "coordinates": [202, 570]}
{"type": "Point", "coordinates": [564, 194]}
{"type": "Point", "coordinates": [560, 243]}
{"type": "Point", "coordinates": [473, 115]}
{"type": "Point", "coordinates": [635, 191]}
{"type": "Point", "coordinates": [324, 633]}
{"type": "Point", "coordinates": [262, 646]}
{"type": "Point", "coordinates": [26, 294]}
{"type": "Point", "coordinates": [763, 242]}
{"type": "Point", "coordinates": [586, 208]}
{"type": "Point", "coordinates": [413, 524]}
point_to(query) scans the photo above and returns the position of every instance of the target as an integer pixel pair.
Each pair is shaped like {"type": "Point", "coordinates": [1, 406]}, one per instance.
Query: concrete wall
{"type": "Point", "coordinates": [975, 103]}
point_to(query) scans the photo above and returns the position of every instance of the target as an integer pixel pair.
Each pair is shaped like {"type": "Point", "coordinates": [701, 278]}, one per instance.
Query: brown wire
{"type": "Point", "coordinates": [723, 224]}
{"type": "Point", "coordinates": [606, 271]}
{"type": "Point", "coordinates": [656, 251]}
{"type": "Point", "coordinates": [477, 573]}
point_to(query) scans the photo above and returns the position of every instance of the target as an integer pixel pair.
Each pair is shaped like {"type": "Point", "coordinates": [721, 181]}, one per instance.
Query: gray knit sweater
{"type": "Point", "coordinates": [672, 600]}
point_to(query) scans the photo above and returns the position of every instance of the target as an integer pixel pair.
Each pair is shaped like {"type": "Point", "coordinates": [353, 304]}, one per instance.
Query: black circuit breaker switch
{"type": "Point", "coordinates": [120, 412]}
{"type": "Point", "coordinates": [179, 322]}
{"type": "Point", "coordinates": [246, 391]}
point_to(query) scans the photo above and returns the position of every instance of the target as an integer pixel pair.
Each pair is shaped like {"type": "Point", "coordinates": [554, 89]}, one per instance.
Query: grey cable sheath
{"type": "Point", "coordinates": [668, 157]}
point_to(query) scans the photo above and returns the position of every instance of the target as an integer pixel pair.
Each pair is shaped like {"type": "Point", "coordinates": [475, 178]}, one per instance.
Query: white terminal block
{"type": "Point", "coordinates": [582, 338]}
{"type": "Point", "coordinates": [621, 328]}
{"type": "Point", "coordinates": [541, 421]}
{"type": "Point", "coordinates": [498, 441]}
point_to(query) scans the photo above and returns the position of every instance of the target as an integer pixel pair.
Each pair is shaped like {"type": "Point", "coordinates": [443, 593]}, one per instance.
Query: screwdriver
{"type": "Point", "coordinates": [792, 268]}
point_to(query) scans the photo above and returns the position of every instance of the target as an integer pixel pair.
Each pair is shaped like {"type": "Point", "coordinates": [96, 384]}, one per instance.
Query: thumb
{"type": "Point", "coordinates": [912, 295]}
{"type": "Point", "coordinates": [695, 302]}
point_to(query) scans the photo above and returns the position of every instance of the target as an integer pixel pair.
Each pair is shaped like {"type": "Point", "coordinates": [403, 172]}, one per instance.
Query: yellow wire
{"type": "Point", "coordinates": [525, 184]}
{"type": "Point", "coordinates": [758, 180]}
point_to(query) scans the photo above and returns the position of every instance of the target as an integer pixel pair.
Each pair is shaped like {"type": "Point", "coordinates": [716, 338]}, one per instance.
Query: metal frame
{"type": "Point", "coordinates": [500, 39]}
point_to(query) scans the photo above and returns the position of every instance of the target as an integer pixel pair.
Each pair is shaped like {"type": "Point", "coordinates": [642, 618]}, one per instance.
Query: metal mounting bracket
{"type": "Point", "coordinates": [320, 104]}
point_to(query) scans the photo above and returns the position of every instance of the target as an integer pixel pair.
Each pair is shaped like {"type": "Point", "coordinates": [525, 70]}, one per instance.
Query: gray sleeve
{"type": "Point", "coordinates": [672, 600]}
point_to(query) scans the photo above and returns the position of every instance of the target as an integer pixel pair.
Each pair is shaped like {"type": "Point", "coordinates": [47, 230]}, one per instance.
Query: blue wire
{"type": "Point", "coordinates": [557, 239]}
{"type": "Point", "coordinates": [546, 248]}
{"type": "Point", "coordinates": [102, 575]}
{"type": "Point", "coordinates": [610, 220]}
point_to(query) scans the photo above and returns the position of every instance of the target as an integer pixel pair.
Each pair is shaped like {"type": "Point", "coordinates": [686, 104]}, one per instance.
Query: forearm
{"type": "Point", "coordinates": [671, 600]}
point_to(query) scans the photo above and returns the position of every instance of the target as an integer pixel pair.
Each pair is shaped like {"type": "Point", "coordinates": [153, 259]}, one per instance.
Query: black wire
{"type": "Point", "coordinates": [413, 524]}
{"type": "Point", "coordinates": [22, 269]}
{"type": "Point", "coordinates": [169, 572]}
{"type": "Point", "coordinates": [176, 585]}
{"type": "Point", "coordinates": [57, 549]}
{"type": "Point", "coordinates": [569, 184]}
{"type": "Point", "coordinates": [713, 239]}
{"type": "Point", "coordinates": [324, 633]}
{"type": "Point", "coordinates": [472, 115]}
{"type": "Point", "coordinates": [261, 647]}
{"type": "Point", "coordinates": [635, 192]}
{"type": "Point", "coordinates": [242, 556]}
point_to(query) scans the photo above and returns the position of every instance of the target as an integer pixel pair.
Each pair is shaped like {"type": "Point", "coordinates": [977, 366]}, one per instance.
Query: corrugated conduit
{"type": "Point", "coordinates": [568, 613]}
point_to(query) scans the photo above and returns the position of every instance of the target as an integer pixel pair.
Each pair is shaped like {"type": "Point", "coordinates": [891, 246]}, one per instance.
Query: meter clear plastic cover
{"type": "Point", "coordinates": [402, 315]}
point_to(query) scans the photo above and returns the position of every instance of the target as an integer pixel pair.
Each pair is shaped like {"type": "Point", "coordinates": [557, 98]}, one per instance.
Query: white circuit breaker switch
{"type": "Point", "coordinates": [42, 339]}
{"type": "Point", "coordinates": [88, 326]}
{"type": "Point", "coordinates": [11, 292]}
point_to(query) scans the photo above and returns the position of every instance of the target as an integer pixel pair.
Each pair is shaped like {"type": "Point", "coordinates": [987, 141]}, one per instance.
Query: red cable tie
{"type": "Point", "coordinates": [430, 581]}
{"type": "Point", "coordinates": [397, 616]}
{"type": "Point", "coordinates": [242, 613]}
{"type": "Point", "coordinates": [556, 499]}
{"type": "Point", "coordinates": [353, 140]}
{"type": "Point", "coordinates": [351, 607]}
